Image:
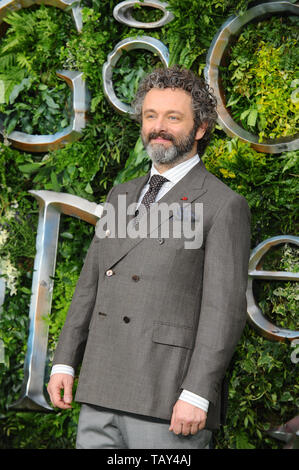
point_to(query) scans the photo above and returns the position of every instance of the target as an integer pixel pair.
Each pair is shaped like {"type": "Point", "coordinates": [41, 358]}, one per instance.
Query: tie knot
{"type": "Point", "coordinates": [157, 181]}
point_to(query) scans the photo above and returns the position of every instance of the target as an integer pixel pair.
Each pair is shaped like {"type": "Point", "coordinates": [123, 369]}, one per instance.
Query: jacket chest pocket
{"type": "Point", "coordinates": [173, 335]}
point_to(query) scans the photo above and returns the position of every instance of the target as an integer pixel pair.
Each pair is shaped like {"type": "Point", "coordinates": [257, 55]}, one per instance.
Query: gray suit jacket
{"type": "Point", "coordinates": [168, 318]}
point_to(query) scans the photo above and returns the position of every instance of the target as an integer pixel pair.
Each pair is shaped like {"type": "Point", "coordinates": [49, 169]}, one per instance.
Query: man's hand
{"type": "Point", "coordinates": [61, 382]}
{"type": "Point", "coordinates": [187, 419]}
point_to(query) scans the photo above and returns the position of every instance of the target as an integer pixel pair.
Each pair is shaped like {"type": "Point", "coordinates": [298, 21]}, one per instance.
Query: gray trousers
{"type": "Point", "coordinates": [101, 428]}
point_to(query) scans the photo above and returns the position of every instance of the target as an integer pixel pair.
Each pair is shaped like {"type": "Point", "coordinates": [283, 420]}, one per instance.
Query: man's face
{"type": "Point", "coordinates": [168, 131]}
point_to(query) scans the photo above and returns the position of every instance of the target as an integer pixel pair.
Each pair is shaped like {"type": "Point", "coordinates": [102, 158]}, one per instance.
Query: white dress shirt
{"type": "Point", "coordinates": [174, 175]}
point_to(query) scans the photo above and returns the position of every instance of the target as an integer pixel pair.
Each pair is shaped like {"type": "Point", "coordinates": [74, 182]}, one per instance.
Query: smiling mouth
{"type": "Point", "coordinates": [160, 139]}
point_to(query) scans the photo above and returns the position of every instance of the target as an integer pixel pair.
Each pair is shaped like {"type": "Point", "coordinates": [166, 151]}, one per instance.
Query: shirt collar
{"type": "Point", "coordinates": [177, 172]}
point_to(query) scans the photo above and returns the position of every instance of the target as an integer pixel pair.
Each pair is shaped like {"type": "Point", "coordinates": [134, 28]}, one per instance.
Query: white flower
{"type": "Point", "coordinates": [9, 214]}
{"type": "Point", "coordinates": [10, 274]}
{"type": "Point", "coordinates": [15, 204]}
{"type": "Point", "coordinates": [3, 237]}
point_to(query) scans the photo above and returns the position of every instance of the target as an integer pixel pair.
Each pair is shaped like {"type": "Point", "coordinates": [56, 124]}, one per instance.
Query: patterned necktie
{"type": "Point", "coordinates": [155, 184]}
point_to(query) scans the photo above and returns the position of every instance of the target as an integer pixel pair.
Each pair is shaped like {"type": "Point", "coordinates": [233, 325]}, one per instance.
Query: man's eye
{"type": "Point", "coordinates": [173, 118]}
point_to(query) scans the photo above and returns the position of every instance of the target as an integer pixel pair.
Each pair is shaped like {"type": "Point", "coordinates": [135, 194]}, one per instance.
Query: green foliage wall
{"type": "Point", "coordinates": [263, 381]}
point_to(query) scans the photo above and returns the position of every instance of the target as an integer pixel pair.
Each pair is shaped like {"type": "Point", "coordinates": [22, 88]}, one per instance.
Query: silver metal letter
{"type": "Point", "coordinates": [218, 49]}
{"type": "Point", "coordinates": [81, 98]}
{"type": "Point", "coordinates": [51, 204]}
{"type": "Point", "coordinates": [142, 42]}
{"type": "Point", "coordinates": [123, 13]}
{"type": "Point", "coordinates": [256, 317]}
{"type": "Point", "coordinates": [44, 143]}
{"type": "Point", "coordinates": [7, 6]}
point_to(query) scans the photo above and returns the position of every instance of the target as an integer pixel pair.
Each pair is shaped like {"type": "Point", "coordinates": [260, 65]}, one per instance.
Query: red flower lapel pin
{"type": "Point", "coordinates": [184, 198]}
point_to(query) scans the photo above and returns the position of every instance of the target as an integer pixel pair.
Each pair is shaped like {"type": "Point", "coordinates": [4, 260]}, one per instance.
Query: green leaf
{"type": "Point", "coordinates": [67, 235]}
{"type": "Point", "coordinates": [25, 84]}
{"type": "Point", "coordinates": [292, 161]}
{"type": "Point", "coordinates": [30, 167]}
{"type": "Point", "coordinates": [11, 125]}
{"type": "Point", "coordinates": [252, 117]}
{"type": "Point", "coordinates": [88, 189]}
{"type": "Point", "coordinates": [54, 181]}
{"type": "Point", "coordinates": [244, 114]}
{"type": "Point", "coordinates": [50, 102]}
{"type": "Point", "coordinates": [2, 91]}
{"type": "Point", "coordinates": [25, 290]}
{"type": "Point", "coordinates": [242, 441]}
{"type": "Point", "coordinates": [233, 101]}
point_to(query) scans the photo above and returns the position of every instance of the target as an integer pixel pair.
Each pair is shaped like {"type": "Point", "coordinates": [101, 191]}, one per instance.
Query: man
{"type": "Point", "coordinates": [156, 320]}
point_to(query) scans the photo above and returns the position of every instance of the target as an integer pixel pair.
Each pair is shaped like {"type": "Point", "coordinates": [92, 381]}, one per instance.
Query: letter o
{"type": "Point", "coordinates": [122, 13]}
{"type": "Point", "coordinates": [81, 97]}
{"type": "Point", "coordinates": [128, 44]}
{"type": "Point", "coordinates": [217, 51]}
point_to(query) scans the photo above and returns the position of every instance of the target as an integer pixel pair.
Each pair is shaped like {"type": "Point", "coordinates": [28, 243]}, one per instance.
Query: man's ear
{"type": "Point", "coordinates": [201, 131]}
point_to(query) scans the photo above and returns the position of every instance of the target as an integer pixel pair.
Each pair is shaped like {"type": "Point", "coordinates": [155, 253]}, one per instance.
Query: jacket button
{"type": "Point", "coordinates": [161, 240]}
{"type": "Point", "coordinates": [126, 319]}
{"type": "Point", "coordinates": [109, 273]}
{"type": "Point", "coordinates": [135, 278]}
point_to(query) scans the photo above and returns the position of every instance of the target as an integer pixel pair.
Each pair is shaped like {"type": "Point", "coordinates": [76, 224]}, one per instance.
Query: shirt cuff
{"type": "Point", "coordinates": [62, 369]}
{"type": "Point", "coordinates": [195, 400]}
{"type": "Point", "coordinates": [186, 396]}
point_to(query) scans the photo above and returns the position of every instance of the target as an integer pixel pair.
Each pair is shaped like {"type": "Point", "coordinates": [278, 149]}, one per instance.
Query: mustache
{"type": "Point", "coordinates": [163, 135]}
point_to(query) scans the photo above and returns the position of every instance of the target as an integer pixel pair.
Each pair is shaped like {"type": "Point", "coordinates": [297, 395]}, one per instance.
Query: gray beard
{"type": "Point", "coordinates": [159, 154]}
{"type": "Point", "coordinates": [173, 154]}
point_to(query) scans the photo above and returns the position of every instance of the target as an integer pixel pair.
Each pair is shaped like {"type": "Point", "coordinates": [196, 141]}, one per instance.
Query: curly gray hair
{"type": "Point", "coordinates": [202, 99]}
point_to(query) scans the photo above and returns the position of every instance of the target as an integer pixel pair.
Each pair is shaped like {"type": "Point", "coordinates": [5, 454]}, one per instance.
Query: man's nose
{"type": "Point", "coordinates": [160, 125]}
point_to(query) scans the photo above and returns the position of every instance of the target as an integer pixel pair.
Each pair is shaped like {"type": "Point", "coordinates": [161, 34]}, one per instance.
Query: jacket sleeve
{"type": "Point", "coordinates": [73, 337]}
{"type": "Point", "coordinates": [223, 308]}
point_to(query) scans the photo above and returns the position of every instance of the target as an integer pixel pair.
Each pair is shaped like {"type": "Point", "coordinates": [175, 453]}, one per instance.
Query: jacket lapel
{"type": "Point", "coordinates": [191, 186]}
{"type": "Point", "coordinates": [127, 198]}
